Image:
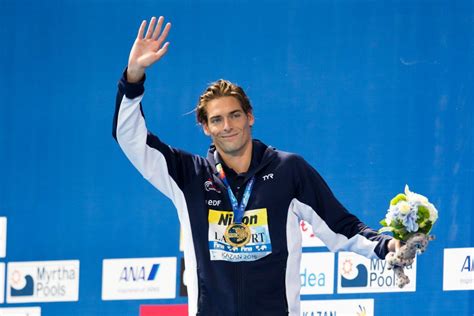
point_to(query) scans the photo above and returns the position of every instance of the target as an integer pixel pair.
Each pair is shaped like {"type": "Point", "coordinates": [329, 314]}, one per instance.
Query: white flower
{"type": "Point", "coordinates": [404, 207]}
{"type": "Point", "coordinates": [433, 212]}
{"type": "Point", "coordinates": [409, 221]}
{"type": "Point", "coordinates": [388, 218]}
{"type": "Point", "coordinates": [415, 197]}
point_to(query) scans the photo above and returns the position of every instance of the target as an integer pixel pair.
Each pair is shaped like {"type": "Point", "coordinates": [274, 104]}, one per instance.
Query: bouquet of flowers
{"type": "Point", "coordinates": [409, 213]}
{"type": "Point", "coordinates": [409, 218]}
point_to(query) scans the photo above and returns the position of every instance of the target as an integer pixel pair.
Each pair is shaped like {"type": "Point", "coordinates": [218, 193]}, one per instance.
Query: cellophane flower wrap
{"type": "Point", "coordinates": [408, 214]}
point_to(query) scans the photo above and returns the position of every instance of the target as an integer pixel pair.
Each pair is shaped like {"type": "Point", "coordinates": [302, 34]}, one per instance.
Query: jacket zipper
{"type": "Point", "coordinates": [240, 299]}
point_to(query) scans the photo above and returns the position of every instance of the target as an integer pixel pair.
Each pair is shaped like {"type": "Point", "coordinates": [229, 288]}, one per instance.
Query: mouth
{"type": "Point", "coordinates": [227, 137]}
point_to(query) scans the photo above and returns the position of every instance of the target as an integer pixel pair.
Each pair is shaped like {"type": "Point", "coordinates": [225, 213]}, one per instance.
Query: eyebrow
{"type": "Point", "coordinates": [233, 112]}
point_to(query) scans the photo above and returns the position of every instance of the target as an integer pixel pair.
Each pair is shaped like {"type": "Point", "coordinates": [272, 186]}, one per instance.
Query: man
{"type": "Point", "coordinates": [241, 206]}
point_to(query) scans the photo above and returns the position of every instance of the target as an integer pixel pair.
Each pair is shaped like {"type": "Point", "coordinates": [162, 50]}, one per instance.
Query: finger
{"type": "Point", "coordinates": [150, 27]}
{"type": "Point", "coordinates": [141, 30]}
{"type": "Point", "coordinates": [398, 245]}
{"type": "Point", "coordinates": [164, 34]}
{"type": "Point", "coordinates": [158, 28]}
{"type": "Point", "coordinates": [161, 51]}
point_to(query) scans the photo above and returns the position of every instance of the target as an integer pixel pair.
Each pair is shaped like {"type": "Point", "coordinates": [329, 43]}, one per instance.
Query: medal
{"type": "Point", "coordinates": [237, 235]}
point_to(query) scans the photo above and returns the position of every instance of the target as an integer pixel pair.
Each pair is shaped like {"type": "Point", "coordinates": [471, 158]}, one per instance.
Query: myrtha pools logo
{"type": "Point", "coordinates": [360, 271]}
{"type": "Point", "coordinates": [43, 281]}
{"type": "Point", "coordinates": [357, 274]}
{"type": "Point", "coordinates": [21, 285]}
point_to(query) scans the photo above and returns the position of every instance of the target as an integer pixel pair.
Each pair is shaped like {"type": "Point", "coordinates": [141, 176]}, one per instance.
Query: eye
{"type": "Point", "coordinates": [215, 120]}
{"type": "Point", "coordinates": [236, 115]}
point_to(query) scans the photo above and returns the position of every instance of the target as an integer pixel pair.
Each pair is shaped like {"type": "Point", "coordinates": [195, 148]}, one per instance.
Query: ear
{"type": "Point", "coordinates": [251, 118]}
{"type": "Point", "coordinates": [205, 129]}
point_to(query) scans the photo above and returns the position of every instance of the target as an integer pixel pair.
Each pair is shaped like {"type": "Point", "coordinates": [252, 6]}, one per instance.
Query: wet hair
{"type": "Point", "coordinates": [221, 88]}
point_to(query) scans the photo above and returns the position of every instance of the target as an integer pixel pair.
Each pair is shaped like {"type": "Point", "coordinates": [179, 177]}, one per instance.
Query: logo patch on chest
{"type": "Point", "coordinates": [210, 186]}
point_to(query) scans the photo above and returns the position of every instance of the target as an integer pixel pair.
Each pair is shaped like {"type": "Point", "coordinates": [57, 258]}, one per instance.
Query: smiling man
{"type": "Point", "coordinates": [240, 207]}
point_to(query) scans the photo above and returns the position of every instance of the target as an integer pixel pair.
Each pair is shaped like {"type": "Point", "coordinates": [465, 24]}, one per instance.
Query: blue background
{"type": "Point", "coordinates": [374, 94]}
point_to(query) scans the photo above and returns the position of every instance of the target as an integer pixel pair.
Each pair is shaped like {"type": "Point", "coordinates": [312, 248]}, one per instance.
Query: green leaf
{"type": "Point", "coordinates": [423, 212]}
{"type": "Point", "coordinates": [383, 222]}
{"type": "Point", "coordinates": [428, 227]}
{"type": "Point", "coordinates": [398, 225]}
{"type": "Point", "coordinates": [397, 236]}
{"type": "Point", "coordinates": [398, 198]}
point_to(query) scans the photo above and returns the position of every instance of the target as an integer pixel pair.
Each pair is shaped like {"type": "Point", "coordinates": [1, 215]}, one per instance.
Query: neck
{"type": "Point", "coordinates": [240, 161]}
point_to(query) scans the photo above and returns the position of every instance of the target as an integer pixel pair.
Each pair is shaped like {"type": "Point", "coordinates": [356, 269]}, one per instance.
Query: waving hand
{"type": "Point", "coordinates": [148, 48]}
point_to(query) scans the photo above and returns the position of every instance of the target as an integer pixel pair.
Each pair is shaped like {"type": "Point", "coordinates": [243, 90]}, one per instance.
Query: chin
{"type": "Point", "coordinates": [231, 149]}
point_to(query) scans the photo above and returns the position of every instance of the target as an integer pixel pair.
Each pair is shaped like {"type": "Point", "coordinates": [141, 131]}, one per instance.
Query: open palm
{"type": "Point", "coordinates": [148, 48]}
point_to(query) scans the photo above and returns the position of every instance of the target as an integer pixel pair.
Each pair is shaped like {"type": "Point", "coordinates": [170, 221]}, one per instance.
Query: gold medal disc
{"type": "Point", "coordinates": [237, 235]}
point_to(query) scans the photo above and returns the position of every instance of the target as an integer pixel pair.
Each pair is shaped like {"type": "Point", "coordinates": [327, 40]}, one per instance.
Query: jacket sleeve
{"type": "Point", "coordinates": [332, 223]}
{"type": "Point", "coordinates": [166, 168]}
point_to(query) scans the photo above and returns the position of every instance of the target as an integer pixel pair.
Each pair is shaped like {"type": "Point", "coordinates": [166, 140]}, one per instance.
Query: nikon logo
{"type": "Point", "coordinates": [226, 219]}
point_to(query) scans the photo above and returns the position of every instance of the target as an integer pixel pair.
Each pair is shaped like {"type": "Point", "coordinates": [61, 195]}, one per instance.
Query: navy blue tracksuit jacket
{"type": "Point", "coordinates": [261, 278]}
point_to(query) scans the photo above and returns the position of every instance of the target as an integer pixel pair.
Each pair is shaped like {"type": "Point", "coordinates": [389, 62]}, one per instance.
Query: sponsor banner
{"type": "Point", "coordinates": [259, 245]}
{"type": "Point", "coordinates": [317, 273]}
{"type": "Point", "coordinates": [3, 237]}
{"type": "Point", "coordinates": [183, 284]}
{"type": "Point", "coordinates": [138, 278]}
{"type": "Point", "coordinates": [458, 269]}
{"type": "Point", "coordinates": [357, 274]}
{"type": "Point", "coordinates": [2, 282]}
{"type": "Point", "coordinates": [165, 310]}
{"type": "Point", "coordinates": [308, 237]}
{"type": "Point", "coordinates": [43, 281]}
{"type": "Point", "coordinates": [362, 307]}
{"type": "Point", "coordinates": [20, 311]}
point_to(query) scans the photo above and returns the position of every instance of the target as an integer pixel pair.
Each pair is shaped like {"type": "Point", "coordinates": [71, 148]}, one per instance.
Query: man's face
{"type": "Point", "coordinates": [228, 125]}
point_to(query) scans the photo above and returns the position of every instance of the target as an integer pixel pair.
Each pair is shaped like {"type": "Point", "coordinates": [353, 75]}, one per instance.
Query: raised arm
{"type": "Point", "coordinates": [167, 168]}
{"type": "Point", "coordinates": [148, 48]}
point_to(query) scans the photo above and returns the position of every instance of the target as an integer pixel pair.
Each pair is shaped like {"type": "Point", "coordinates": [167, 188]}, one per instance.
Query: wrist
{"type": "Point", "coordinates": [393, 245]}
{"type": "Point", "coordinates": [135, 74]}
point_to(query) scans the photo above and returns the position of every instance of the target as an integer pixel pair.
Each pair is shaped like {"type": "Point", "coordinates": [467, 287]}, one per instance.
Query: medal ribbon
{"type": "Point", "coordinates": [238, 209]}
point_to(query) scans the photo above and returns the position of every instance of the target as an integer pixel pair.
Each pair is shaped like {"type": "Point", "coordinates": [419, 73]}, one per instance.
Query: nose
{"type": "Point", "coordinates": [227, 125]}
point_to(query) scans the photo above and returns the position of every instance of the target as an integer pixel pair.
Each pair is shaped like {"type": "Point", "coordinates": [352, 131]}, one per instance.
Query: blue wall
{"type": "Point", "coordinates": [374, 94]}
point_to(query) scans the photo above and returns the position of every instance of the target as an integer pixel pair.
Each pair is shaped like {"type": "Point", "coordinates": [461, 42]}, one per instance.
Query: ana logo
{"type": "Point", "coordinates": [135, 274]}
{"type": "Point", "coordinates": [268, 176]}
{"type": "Point", "coordinates": [458, 269]}
{"type": "Point", "coordinates": [468, 265]}
{"type": "Point", "coordinates": [360, 272]}
{"type": "Point", "coordinates": [138, 278]}
{"type": "Point", "coordinates": [21, 286]}
{"type": "Point", "coordinates": [209, 186]}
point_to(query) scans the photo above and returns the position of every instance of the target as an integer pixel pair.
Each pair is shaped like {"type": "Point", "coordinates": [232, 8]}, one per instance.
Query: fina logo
{"type": "Point", "coordinates": [361, 274]}
{"type": "Point", "coordinates": [21, 286]}
{"type": "Point", "coordinates": [137, 274]}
